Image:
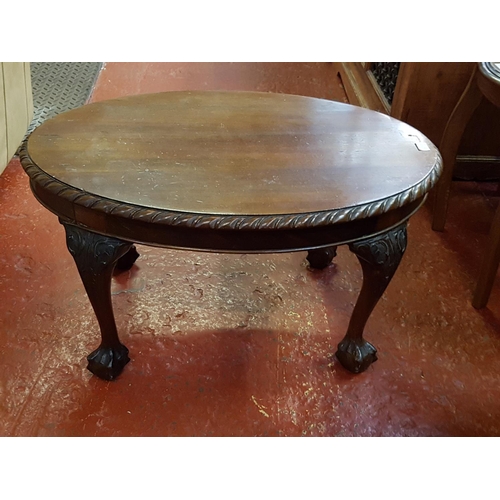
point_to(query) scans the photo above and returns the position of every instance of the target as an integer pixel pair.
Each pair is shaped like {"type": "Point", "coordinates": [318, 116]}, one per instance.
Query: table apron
{"type": "Point", "coordinates": [222, 240]}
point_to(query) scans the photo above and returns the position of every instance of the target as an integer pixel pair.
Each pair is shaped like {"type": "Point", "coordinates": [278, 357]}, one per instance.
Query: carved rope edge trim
{"type": "Point", "coordinates": [229, 222]}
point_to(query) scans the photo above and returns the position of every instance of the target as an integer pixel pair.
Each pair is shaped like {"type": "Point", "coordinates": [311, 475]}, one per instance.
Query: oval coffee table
{"type": "Point", "coordinates": [230, 172]}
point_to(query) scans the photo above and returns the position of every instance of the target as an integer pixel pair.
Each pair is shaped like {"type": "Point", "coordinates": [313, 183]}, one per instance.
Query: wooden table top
{"type": "Point", "coordinates": [235, 153]}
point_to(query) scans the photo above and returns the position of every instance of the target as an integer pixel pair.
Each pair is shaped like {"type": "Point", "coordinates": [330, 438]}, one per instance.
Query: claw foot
{"type": "Point", "coordinates": [125, 262]}
{"type": "Point", "coordinates": [319, 258]}
{"type": "Point", "coordinates": [356, 355]}
{"type": "Point", "coordinates": [108, 362]}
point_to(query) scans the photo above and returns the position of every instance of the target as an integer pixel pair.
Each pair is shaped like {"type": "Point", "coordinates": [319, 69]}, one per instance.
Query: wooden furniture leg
{"type": "Point", "coordinates": [95, 256]}
{"type": "Point", "coordinates": [489, 265]}
{"type": "Point", "coordinates": [449, 144]}
{"type": "Point", "coordinates": [319, 258]}
{"type": "Point", "coordinates": [379, 258]}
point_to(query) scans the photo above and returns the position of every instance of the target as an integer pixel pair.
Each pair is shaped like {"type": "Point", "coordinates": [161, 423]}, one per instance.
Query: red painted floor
{"type": "Point", "coordinates": [239, 345]}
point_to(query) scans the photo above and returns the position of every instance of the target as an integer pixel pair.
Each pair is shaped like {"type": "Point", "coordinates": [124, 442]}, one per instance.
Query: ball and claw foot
{"type": "Point", "coordinates": [319, 258]}
{"type": "Point", "coordinates": [356, 355]}
{"type": "Point", "coordinates": [108, 362]}
{"type": "Point", "coordinates": [125, 262]}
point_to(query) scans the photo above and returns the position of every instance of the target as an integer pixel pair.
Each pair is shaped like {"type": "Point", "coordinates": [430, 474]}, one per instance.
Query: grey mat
{"type": "Point", "coordinates": [60, 86]}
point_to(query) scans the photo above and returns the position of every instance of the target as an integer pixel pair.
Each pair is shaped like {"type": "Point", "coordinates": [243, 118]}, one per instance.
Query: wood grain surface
{"type": "Point", "coordinates": [233, 153]}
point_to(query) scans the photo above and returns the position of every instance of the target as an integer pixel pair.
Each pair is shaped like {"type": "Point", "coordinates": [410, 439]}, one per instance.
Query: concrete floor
{"type": "Point", "coordinates": [239, 345]}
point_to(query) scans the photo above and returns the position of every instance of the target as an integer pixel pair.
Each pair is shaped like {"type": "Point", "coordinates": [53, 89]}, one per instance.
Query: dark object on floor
{"type": "Point", "coordinates": [125, 262]}
{"type": "Point", "coordinates": [319, 258]}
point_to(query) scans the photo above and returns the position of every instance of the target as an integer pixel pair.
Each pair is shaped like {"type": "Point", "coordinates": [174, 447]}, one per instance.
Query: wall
{"type": "Point", "coordinates": [16, 107]}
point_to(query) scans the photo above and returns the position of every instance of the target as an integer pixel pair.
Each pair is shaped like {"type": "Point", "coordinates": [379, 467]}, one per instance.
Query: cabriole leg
{"type": "Point", "coordinates": [95, 256]}
{"type": "Point", "coordinates": [379, 258]}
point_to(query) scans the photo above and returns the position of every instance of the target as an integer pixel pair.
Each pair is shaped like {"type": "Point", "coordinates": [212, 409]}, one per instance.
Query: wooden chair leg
{"type": "Point", "coordinates": [489, 265]}
{"type": "Point", "coordinates": [450, 141]}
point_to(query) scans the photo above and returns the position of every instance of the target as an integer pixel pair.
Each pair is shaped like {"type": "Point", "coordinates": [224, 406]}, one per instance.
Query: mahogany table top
{"type": "Point", "coordinates": [235, 153]}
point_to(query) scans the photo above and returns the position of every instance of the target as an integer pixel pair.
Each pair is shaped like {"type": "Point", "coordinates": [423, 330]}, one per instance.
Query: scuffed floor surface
{"type": "Point", "coordinates": [241, 345]}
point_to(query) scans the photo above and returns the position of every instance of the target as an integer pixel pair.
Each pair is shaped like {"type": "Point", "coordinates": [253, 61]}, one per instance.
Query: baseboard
{"type": "Point", "coordinates": [477, 168]}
